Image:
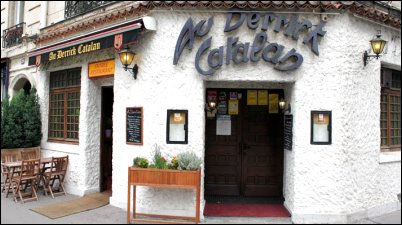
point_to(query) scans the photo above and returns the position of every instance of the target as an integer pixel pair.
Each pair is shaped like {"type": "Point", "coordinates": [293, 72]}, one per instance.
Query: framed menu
{"type": "Point", "coordinates": [134, 125]}
{"type": "Point", "coordinates": [321, 128]}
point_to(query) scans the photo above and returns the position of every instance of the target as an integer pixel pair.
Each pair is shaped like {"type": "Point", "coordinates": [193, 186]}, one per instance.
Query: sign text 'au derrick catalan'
{"type": "Point", "coordinates": [59, 52]}
{"type": "Point", "coordinates": [239, 52]}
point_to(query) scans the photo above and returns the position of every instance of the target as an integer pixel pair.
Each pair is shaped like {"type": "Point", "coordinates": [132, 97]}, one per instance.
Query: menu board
{"type": "Point", "coordinates": [134, 127]}
{"type": "Point", "coordinates": [288, 132]}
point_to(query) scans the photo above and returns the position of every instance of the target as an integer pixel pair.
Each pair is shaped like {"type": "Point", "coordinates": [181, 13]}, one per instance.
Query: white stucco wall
{"type": "Point", "coordinates": [84, 165]}
{"type": "Point", "coordinates": [340, 182]}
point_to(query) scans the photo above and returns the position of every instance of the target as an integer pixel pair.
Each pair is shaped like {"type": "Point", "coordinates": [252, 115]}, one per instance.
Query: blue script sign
{"type": "Point", "coordinates": [239, 52]}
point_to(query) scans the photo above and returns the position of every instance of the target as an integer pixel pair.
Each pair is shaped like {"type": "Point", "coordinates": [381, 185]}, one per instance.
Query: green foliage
{"type": "Point", "coordinates": [32, 120]}
{"type": "Point", "coordinates": [158, 161]}
{"type": "Point", "coordinates": [189, 161]}
{"type": "Point", "coordinates": [140, 162]}
{"type": "Point", "coordinates": [21, 125]}
{"type": "Point", "coordinates": [174, 163]}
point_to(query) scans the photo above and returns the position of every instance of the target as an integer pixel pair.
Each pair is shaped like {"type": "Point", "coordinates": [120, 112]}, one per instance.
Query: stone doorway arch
{"type": "Point", "coordinates": [20, 82]}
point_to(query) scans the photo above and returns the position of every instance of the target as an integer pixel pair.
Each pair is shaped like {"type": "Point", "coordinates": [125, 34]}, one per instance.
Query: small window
{"type": "Point", "coordinates": [177, 124]}
{"type": "Point", "coordinates": [390, 117]}
{"type": "Point", "coordinates": [321, 127]}
{"type": "Point", "coordinates": [64, 107]}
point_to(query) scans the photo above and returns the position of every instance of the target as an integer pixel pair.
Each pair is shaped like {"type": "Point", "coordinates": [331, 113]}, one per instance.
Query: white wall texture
{"type": "Point", "coordinates": [340, 182]}
{"type": "Point", "coordinates": [337, 182]}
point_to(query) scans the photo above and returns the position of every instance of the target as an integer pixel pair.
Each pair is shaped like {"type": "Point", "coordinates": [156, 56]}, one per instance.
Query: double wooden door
{"type": "Point", "coordinates": [249, 161]}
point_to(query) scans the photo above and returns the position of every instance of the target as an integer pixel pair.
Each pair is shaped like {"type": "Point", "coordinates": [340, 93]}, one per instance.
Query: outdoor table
{"type": "Point", "coordinates": [13, 166]}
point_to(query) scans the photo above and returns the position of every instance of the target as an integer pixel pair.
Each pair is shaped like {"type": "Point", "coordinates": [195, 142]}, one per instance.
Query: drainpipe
{"type": "Point", "coordinates": [43, 7]}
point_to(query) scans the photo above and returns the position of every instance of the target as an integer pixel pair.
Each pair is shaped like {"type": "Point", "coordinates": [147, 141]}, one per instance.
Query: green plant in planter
{"type": "Point", "coordinates": [174, 163]}
{"type": "Point", "coordinates": [158, 161]}
{"type": "Point", "coordinates": [140, 162]}
{"type": "Point", "coordinates": [188, 161]}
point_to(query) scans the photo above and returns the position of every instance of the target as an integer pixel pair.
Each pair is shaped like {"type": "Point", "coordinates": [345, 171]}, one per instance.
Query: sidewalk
{"type": "Point", "coordinates": [391, 218]}
{"type": "Point", "coordinates": [12, 212]}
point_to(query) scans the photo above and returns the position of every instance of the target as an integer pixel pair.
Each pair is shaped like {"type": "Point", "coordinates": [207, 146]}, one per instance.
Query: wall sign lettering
{"type": "Point", "coordinates": [260, 48]}
{"type": "Point", "coordinates": [288, 132]}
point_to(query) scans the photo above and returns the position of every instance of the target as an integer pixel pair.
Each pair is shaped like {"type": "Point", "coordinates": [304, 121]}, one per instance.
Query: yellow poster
{"type": "Point", "coordinates": [233, 107]}
{"type": "Point", "coordinates": [252, 97]}
{"type": "Point", "coordinates": [273, 103]}
{"type": "Point", "coordinates": [263, 97]}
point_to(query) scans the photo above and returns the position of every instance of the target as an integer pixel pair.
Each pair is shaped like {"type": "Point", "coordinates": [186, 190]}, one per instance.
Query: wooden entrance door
{"type": "Point", "coordinates": [106, 139]}
{"type": "Point", "coordinates": [249, 162]}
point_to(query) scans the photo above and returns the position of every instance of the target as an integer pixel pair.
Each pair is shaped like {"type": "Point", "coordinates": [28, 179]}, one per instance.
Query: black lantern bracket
{"type": "Point", "coordinates": [133, 70]}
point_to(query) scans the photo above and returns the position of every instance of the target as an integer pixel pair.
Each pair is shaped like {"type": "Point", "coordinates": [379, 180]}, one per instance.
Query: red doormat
{"type": "Point", "coordinates": [246, 210]}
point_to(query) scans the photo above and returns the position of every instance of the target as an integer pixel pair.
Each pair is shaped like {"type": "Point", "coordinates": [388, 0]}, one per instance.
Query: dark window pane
{"type": "Point", "coordinates": [64, 104]}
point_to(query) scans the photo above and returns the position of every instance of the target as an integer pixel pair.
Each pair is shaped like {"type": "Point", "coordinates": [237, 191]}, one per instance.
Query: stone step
{"type": "Point", "coordinates": [247, 220]}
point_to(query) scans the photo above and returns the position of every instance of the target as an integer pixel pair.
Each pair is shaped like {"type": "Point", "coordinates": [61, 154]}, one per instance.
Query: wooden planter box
{"type": "Point", "coordinates": [162, 179]}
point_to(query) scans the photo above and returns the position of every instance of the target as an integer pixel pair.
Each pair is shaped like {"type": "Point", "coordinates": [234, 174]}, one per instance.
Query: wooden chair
{"type": "Point", "coordinates": [29, 173]}
{"type": "Point", "coordinates": [57, 171]}
{"type": "Point", "coordinates": [26, 155]}
{"type": "Point", "coordinates": [5, 158]}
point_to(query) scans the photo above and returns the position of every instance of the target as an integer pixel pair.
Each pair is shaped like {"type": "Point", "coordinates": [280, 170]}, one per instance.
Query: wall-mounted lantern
{"type": "Point", "coordinates": [126, 58]}
{"type": "Point", "coordinates": [211, 106]}
{"type": "Point", "coordinates": [377, 45]}
{"type": "Point", "coordinates": [283, 107]}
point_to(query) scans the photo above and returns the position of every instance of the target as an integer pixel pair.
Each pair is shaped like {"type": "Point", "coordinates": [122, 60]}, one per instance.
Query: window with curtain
{"type": "Point", "coordinates": [390, 110]}
{"type": "Point", "coordinates": [64, 105]}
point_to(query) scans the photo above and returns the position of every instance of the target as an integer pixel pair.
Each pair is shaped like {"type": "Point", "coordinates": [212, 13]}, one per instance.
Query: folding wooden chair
{"type": "Point", "coordinates": [29, 172]}
{"type": "Point", "coordinates": [7, 157]}
{"type": "Point", "coordinates": [29, 155]}
{"type": "Point", "coordinates": [57, 172]}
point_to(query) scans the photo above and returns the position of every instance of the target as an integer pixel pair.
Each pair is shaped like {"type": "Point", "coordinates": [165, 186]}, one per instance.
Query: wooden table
{"type": "Point", "coordinates": [13, 166]}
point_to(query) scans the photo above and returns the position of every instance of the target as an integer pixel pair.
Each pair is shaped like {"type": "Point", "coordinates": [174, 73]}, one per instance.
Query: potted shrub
{"type": "Point", "coordinates": [21, 127]}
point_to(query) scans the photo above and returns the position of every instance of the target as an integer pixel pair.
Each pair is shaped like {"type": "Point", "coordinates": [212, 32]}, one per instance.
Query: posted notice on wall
{"type": "Point", "coordinates": [252, 97]}
{"type": "Point", "coordinates": [223, 125]}
{"type": "Point", "coordinates": [262, 97]}
{"type": "Point", "coordinates": [233, 107]}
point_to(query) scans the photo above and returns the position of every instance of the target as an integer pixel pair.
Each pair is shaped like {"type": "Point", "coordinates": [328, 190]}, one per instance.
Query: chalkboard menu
{"type": "Point", "coordinates": [134, 125]}
{"type": "Point", "coordinates": [288, 132]}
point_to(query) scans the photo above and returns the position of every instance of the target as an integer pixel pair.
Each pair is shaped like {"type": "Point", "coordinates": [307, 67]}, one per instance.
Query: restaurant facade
{"type": "Point", "coordinates": [275, 97]}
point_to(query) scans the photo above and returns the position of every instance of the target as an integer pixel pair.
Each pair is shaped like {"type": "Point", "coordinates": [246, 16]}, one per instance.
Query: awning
{"type": "Point", "coordinates": [110, 37]}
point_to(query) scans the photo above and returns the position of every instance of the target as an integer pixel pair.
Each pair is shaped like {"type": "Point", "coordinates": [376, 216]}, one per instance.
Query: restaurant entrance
{"type": "Point", "coordinates": [244, 146]}
{"type": "Point", "coordinates": [106, 139]}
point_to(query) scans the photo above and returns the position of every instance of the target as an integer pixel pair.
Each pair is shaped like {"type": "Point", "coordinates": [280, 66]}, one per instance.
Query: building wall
{"type": "Point", "coordinates": [84, 166]}
{"type": "Point", "coordinates": [338, 181]}
{"type": "Point", "coordinates": [347, 177]}
{"type": "Point", "coordinates": [17, 54]}
{"type": "Point", "coordinates": [4, 22]}
{"type": "Point", "coordinates": [32, 16]}
{"type": "Point", "coordinates": [55, 12]}
{"type": "Point", "coordinates": [56, 21]}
